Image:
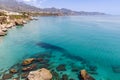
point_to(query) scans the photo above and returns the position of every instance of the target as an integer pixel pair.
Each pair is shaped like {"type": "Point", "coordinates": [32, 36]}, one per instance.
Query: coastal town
{"type": "Point", "coordinates": [10, 19]}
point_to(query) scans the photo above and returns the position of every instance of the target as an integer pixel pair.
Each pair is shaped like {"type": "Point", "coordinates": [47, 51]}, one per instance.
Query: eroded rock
{"type": "Point", "coordinates": [41, 74]}
{"type": "Point", "coordinates": [7, 76]}
{"type": "Point", "coordinates": [85, 76]}
{"type": "Point", "coordinates": [28, 61]}
{"type": "Point", "coordinates": [31, 67]}
{"type": "Point", "coordinates": [13, 71]}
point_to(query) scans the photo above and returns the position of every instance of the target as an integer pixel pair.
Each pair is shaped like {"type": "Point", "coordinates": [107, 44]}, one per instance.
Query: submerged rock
{"type": "Point", "coordinates": [13, 71]}
{"type": "Point", "coordinates": [85, 76]}
{"type": "Point", "coordinates": [28, 61]}
{"type": "Point", "coordinates": [61, 68]}
{"type": "Point", "coordinates": [41, 74]}
{"type": "Point", "coordinates": [7, 76]}
{"type": "Point", "coordinates": [31, 67]}
{"type": "Point", "coordinates": [116, 69]}
{"type": "Point", "coordinates": [64, 77]}
{"type": "Point", "coordinates": [24, 75]}
{"type": "Point", "coordinates": [2, 33]}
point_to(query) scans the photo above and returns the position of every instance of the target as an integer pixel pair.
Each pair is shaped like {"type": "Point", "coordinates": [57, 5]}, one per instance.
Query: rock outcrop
{"type": "Point", "coordinates": [2, 33]}
{"type": "Point", "coordinates": [41, 74]}
{"type": "Point", "coordinates": [85, 76]}
{"type": "Point", "coordinates": [28, 61]}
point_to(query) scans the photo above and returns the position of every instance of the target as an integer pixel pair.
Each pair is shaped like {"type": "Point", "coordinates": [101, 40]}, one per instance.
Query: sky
{"type": "Point", "coordinates": [106, 6]}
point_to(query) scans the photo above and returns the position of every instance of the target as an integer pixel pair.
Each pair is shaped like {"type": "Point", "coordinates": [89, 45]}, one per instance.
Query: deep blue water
{"type": "Point", "coordinates": [96, 39]}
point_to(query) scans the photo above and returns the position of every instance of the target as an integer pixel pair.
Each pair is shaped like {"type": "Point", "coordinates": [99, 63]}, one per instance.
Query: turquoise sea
{"type": "Point", "coordinates": [77, 41]}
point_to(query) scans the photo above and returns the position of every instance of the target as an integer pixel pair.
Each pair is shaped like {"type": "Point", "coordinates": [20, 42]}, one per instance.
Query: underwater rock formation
{"type": "Point", "coordinates": [13, 71]}
{"type": "Point", "coordinates": [52, 47]}
{"type": "Point", "coordinates": [85, 76]}
{"type": "Point", "coordinates": [28, 61]}
{"type": "Point", "coordinates": [29, 68]}
{"type": "Point", "coordinates": [41, 74]}
{"type": "Point", "coordinates": [61, 67]}
{"type": "Point", "coordinates": [7, 76]}
{"type": "Point", "coordinates": [116, 68]}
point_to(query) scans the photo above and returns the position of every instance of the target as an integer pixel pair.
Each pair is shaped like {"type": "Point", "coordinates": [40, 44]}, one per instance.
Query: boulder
{"type": "Point", "coordinates": [28, 61]}
{"type": "Point", "coordinates": [19, 23]}
{"type": "Point", "coordinates": [2, 33]}
{"type": "Point", "coordinates": [4, 29]}
{"type": "Point", "coordinates": [8, 26]}
{"type": "Point", "coordinates": [24, 75]}
{"type": "Point", "coordinates": [85, 76]}
{"type": "Point", "coordinates": [41, 74]}
{"type": "Point", "coordinates": [13, 71]}
{"type": "Point", "coordinates": [29, 68]}
{"type": "Point", "coordinates": [7, 76]}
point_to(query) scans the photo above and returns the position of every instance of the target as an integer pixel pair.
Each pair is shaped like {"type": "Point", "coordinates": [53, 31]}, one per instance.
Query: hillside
{"type": "Point", "coordinates": [13, 5]}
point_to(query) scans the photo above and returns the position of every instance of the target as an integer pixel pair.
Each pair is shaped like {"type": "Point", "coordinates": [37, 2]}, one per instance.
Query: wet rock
{"type": "Point", "coordinates": [7, 76]}
{"type": "Point", "coordinates": [24, 75]}
{"type": "Point", "coordinates": [13, 71]}
{"type": "Point", "coordinates": [19, 23]}
{"type": "Point", "coordinates": [4, 29]}
{"type": "Point", "coordinates": [85, 76]}
{"type": "Point", "coordinates": [2, 33]}
{"type": "Point", "coordinates": [41, 74]}
{"type": "Point", "coordinates": [61, 68]}
{"type": "Point", "coordinates": [28, 61]}
{"type": "Point", "coordinates": [64, 77]}
{"type": "Point", "coordinates": [29, 68]}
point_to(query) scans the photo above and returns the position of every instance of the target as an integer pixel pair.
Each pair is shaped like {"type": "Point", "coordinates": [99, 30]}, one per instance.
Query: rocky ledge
{"type": "Point", "coordinates": [4, 27]}
{"type": "Point", "coordinates": [8, 21]}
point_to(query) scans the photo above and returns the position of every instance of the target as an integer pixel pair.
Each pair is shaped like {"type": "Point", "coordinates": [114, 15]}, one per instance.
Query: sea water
{"type": "Point", "coordinates": [94, 38]}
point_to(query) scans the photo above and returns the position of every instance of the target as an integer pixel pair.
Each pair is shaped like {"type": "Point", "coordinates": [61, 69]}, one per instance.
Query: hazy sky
{"type": "Point", "coordinates": [107, 6]}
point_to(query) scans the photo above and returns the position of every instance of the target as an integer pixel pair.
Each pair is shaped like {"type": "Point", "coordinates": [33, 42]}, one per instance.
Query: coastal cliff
{"type": "Point", "coordinates": [10, 19]}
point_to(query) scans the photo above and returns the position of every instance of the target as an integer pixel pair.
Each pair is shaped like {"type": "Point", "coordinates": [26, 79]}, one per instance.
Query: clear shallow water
{"type": "Point", "coordinates": [95, 38]}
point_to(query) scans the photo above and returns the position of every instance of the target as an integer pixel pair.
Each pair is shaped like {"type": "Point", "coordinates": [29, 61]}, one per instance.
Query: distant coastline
{"type": "Point", "coordinates": [22, 7]}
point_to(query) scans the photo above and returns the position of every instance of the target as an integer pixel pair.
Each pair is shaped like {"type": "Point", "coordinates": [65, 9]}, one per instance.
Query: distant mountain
{"type": "Point", "coordinates": [13, 5]}
{"type": "Point", "coordinates": [65, 11]}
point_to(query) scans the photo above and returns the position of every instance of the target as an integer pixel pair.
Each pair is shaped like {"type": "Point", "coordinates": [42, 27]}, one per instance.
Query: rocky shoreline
{"type": "Point", "coordinates": [11, 19]}
{"type": "Point", "coordinates": [4, 27]}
